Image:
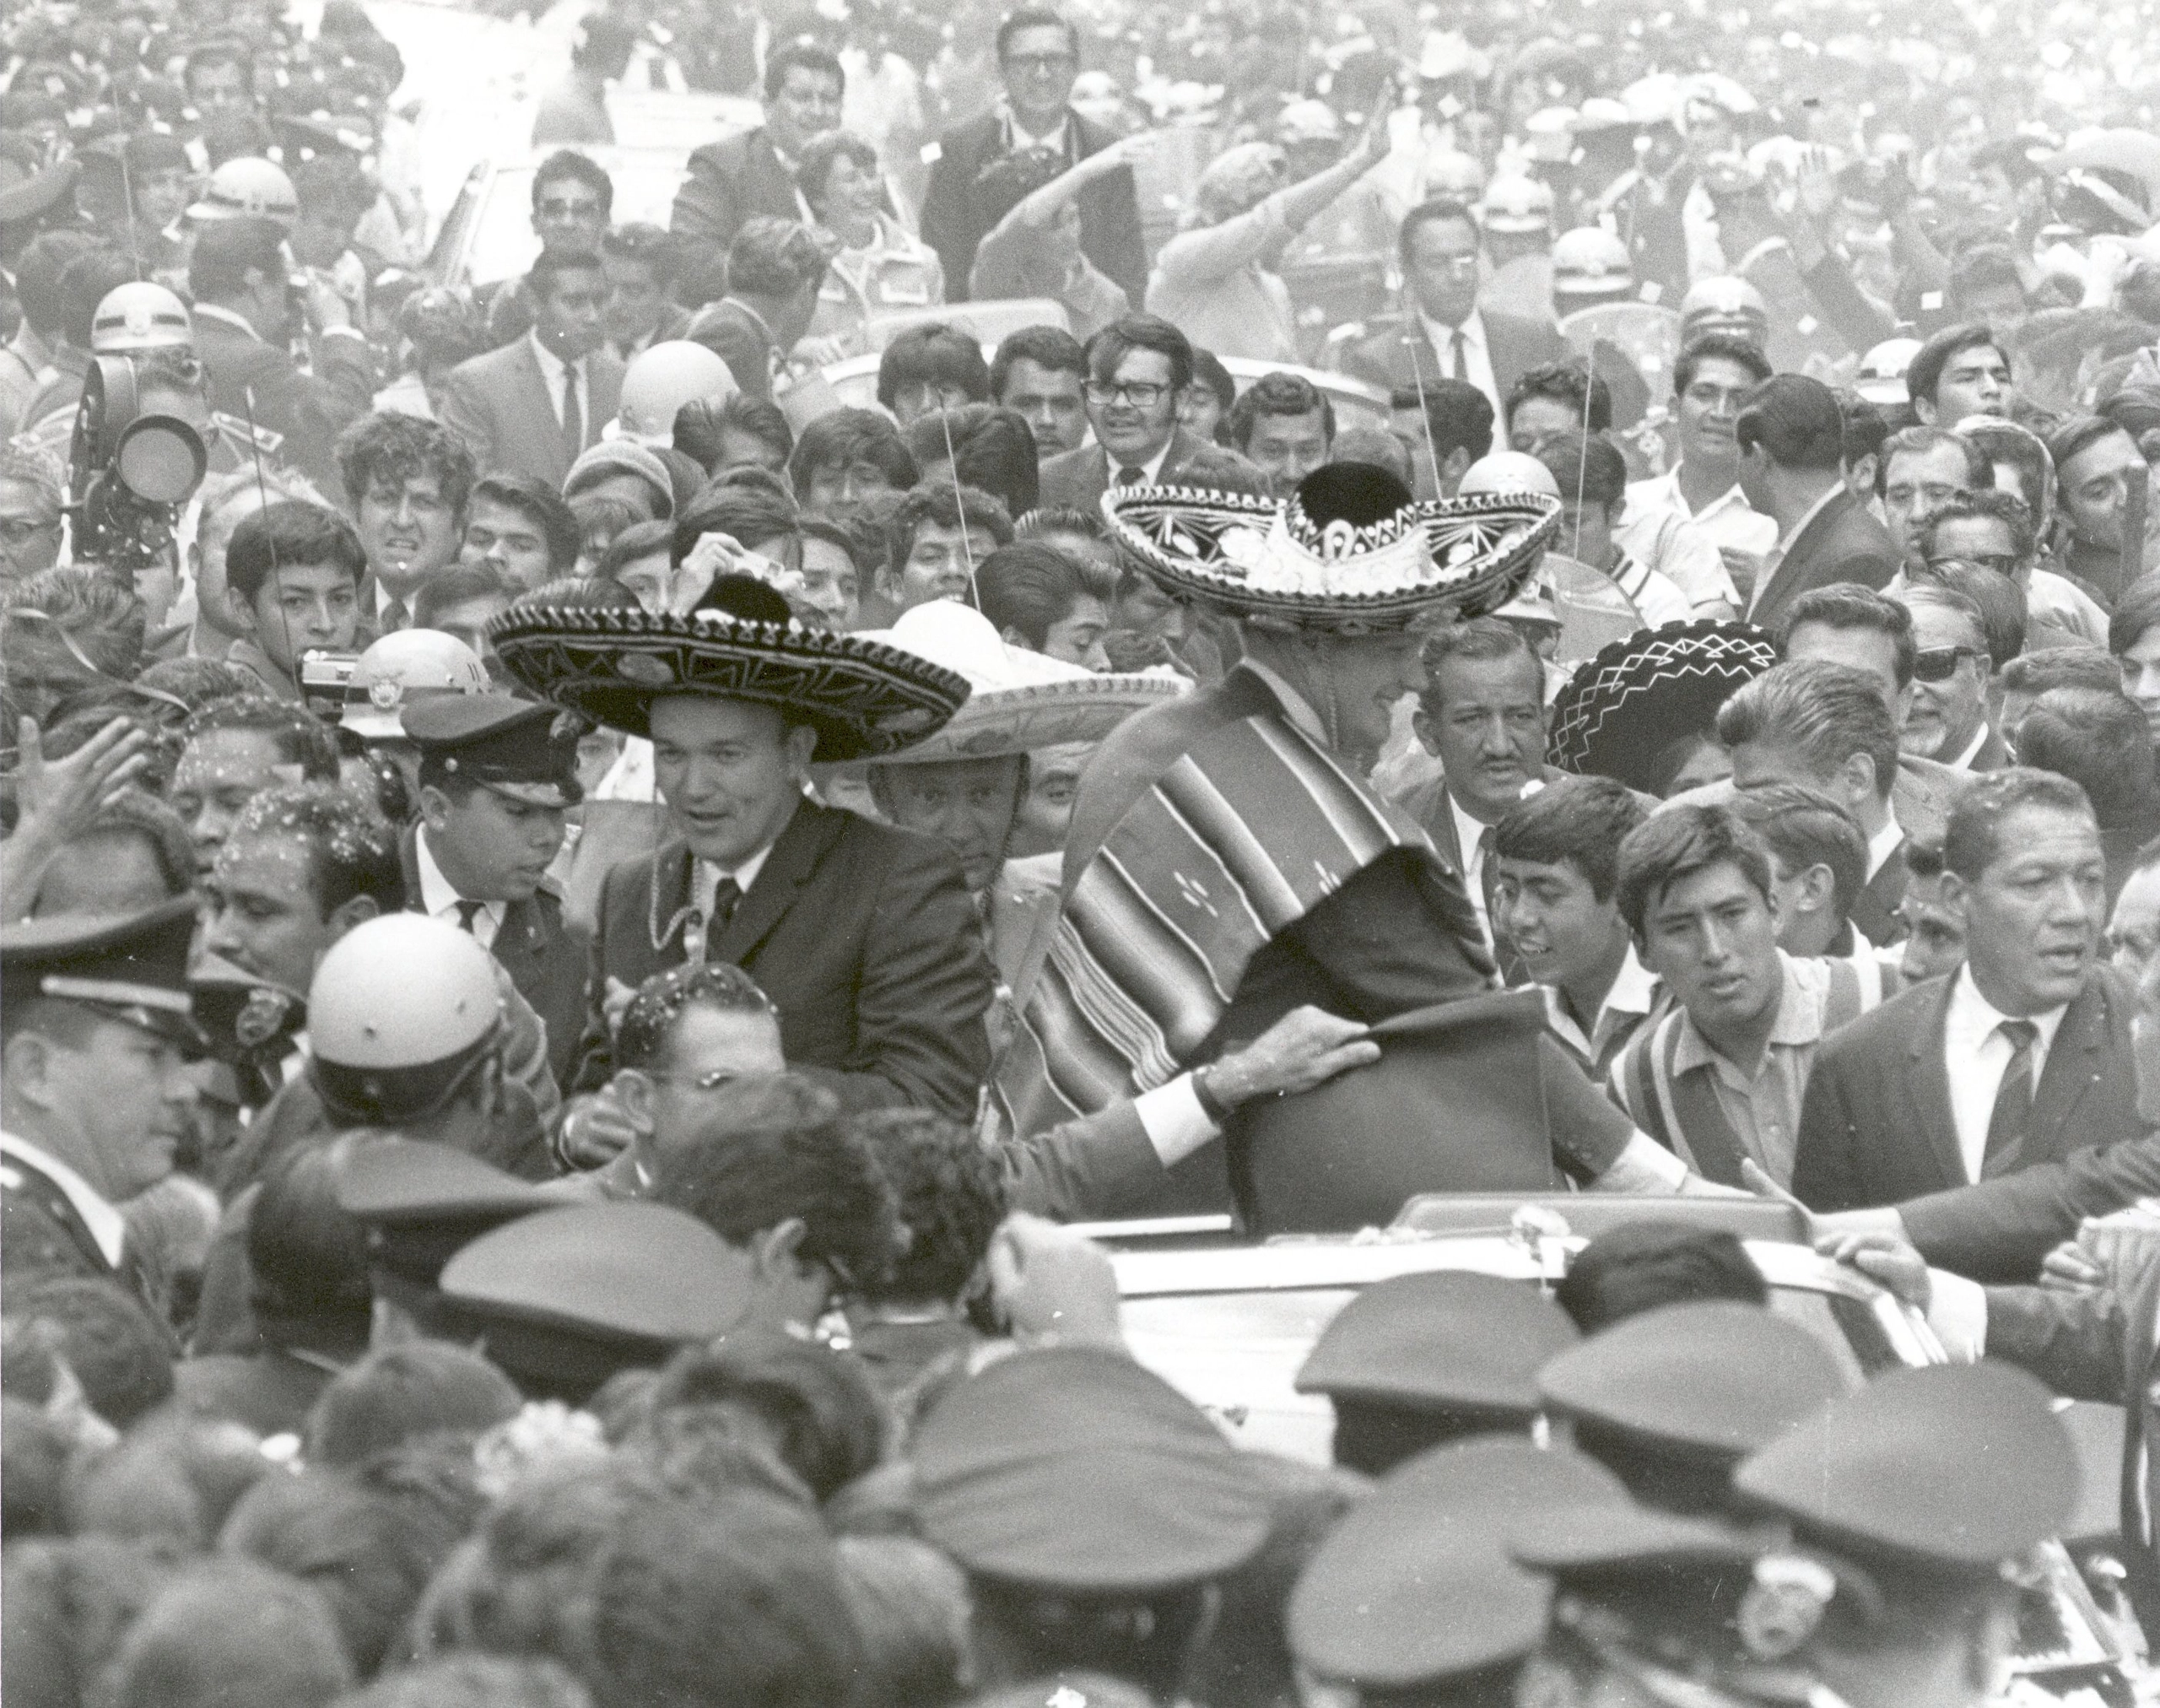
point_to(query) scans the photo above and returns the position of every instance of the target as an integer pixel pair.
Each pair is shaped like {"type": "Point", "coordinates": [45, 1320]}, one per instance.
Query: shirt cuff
{"type": "Point", "coordinates": [1957, 1312]}
{"type": "Point", "coordinates": [1644, 1165]}
{"type": "Point", "coordinates": [349, 331]}
{"type": "Point", "coordinates": [1175, 1123]}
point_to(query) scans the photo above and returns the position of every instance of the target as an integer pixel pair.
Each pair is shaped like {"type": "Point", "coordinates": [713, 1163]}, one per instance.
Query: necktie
{"type": "Point", "coordinates": [467, 912]}
{"type": "Point", "coordinates": [1458, 356]}
{"type": "Point", "coordinates": [395, 617]}
{"type": "Point", "coordinates": [1488, 884]}
{"type": "Point", "coordinates": [2013, 1102]}
{"type": "Point", "coordinates": [573, 416]}
{"type": "Point", "coordinates": [726, 896]}
{"type": "Point", "coordinates": [1131, 475]}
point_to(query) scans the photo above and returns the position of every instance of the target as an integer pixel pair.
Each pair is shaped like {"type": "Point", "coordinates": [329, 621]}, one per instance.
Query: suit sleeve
{"type": "Point", "coordinates": [748, 356]}
{"type": "Point", "coordinates": [1098, 1166]}
{"type": "Point", "coordinates": [525, 1050]}
{"type": "Point", "coordinates": [1824, 1177]}
{"type": "Point", "coordinates": [946, 224]}
{"type": "Point", "coordinates": [1112, 236]}
{"type": "Point", "coordinates": [465, 412]}
{"type": "Point", "coordinates": [595, 1062]}
{"type": "Point", "coordinates": [2073, 1341]}
{"type": "Point", "coordinates": [926, 984]}
{"type": "Point", "coordinates": [1858, 322]}
{"type": "Point", "coordinates": [706, 212]}
{"type": "Point", "coordinates": [1999, 1229]}
{"type": "Point", "coordinates": [1400, 935]}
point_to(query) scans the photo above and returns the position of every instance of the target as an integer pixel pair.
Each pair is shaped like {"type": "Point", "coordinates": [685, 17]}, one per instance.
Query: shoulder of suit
{"type": "Point", "coordinates": [1890, 1020]}
{"type": "Point", "coordinates": [971, 135]}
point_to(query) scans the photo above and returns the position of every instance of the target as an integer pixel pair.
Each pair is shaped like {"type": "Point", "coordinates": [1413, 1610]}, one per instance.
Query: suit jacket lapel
{"type": "Point", "coordinates": [539, 409]}
{"type": "Point", "coordinates": [2073, 1065]}
{"type": "Point", "coordinates": [1442, 830]}
{"type": "Point", "coordinates": [667, 893]}
{"type": "Point", "coordinates": [1927, 1088]}
{"type": "Point", "coordinates": [787, 868]}
{"type": "Point", "coordinates": [1792, 567]}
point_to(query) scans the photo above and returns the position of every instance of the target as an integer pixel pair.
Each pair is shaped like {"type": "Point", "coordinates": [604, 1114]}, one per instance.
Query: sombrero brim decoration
{"type": "Point", "coordinates": [998, 723]}
{"type": "Point", "coordinates": [1265, 562]}
{"type": "Point", "coordinates": [865, 700]}
{"type": "Point", "coordinates": [1622, 712]}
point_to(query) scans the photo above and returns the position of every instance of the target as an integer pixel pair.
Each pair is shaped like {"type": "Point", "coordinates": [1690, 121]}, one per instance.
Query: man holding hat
{"type": "Point", "coordinates": [96, 1028]}
{"type": "Point", "coordinates": [497, 774]}
{"type": "Point", "coordinates": [863, 935]}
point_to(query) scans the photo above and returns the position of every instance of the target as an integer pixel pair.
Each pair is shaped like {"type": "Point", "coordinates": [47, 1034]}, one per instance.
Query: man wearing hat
{"type": "Point", "coordinates": [497, 775]}
{"type": "Point", "coordinates": [96, 1028]}
{"type": "Point", "coordinates": [863, 935]}
{"type": "Point", "coordinates": [1227, 863]}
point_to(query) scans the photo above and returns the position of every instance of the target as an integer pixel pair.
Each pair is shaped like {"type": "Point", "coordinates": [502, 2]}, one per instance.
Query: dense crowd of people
{"type": "Point", "coordinates": [1130, 613]}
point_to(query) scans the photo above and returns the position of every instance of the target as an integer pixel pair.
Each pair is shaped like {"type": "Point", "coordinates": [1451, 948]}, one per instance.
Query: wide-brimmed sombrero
{"type": "Point", "coordinates": [866, 699]}
{"type": "Point", "coordinates": [1619, 714]}
{"type": "Point", "coordinates": [1348, 554]}
{"type": "Point", "coordinates": [1022, 699]}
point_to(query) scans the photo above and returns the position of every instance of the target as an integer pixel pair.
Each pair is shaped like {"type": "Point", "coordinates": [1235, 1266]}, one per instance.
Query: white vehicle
{"type": "Point", "coordinates": [487, 236]}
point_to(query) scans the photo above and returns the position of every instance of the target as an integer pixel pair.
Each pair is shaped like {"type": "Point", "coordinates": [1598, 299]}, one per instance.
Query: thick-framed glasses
{"type": "Point", "coordinates": [2002, 563]}
{"type": "Point", "coordinates": [554, 209]}
{"type": "Point", "coordinates": [1041, 64]}
{"type": "Point", "coordinates": [1940, 663]}
{"type": "Point", "coordinates": [1140, 394]}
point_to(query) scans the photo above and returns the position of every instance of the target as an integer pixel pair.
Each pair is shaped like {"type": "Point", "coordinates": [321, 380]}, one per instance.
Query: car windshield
{"type": "Point", "coordinates": [502, 243]}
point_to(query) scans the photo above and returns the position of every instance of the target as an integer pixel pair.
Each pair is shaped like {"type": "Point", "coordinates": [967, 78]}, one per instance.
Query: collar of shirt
{"type": "Point", "coordinates": [705, 878]}
{"type": "Point", "coordinates": [438, 896]}
{"type": "Point", "coordinates": [107, 1226]}
{"type": "Point", "coordinates": [1814, 510]}
{"type": "Point", "coordinates": [1295, 706]}
{"type": "Point", "coordinates": [1971, 1020]}
{"type": "Point", "coordinates": [1963, 762]}
{"type": "Point", "coordinates": [1634, 995]}
{"type": "Point", "coordinates": [1884, 844]}
{"type": "Point", "coordinates": [1662, 492]}
{"type": "Point", "coordinates": [1470, 837]}
{"type": "Point", "coordinates": [552, 367]}
{"type": "Point", "coordinates": [225, 316]}
{"type": "Point", "coordinates": [384, 599]}
{"type": "Point", "coordinates": [1018, 137]}
{"type": "Point", "coordinates": [750, 314]}
{"type": "Point", "coordinates": [1799, 1020]}
{"type": "Point", "coordinates": [1441, 336]}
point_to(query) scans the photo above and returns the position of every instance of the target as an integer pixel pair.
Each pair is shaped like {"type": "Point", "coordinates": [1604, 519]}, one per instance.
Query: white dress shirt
{"type": "Point", "coordinates": [1470, 837]}
{"type": "Point", "coordinates": [1884, 844]}
{"type": "Point", "coordinates": [705, 876]}
{"type": "Point", "coordinates": [1963, 762]}
{"type": "Point", "coordinates": [1976, 1056]}
{"type": "Point", "coordinates": [440, 897]}
{"type": "Point", "coordinates": [1726, 520]}
{"type": "Point", "coordinates": [106, 1226]}
{"type": "Point", "coordinates": [1476, 356]}
{"type": "Point", "coordinates": [1151, 471]}
{"type": "Point", "coordinates": [552, 367]}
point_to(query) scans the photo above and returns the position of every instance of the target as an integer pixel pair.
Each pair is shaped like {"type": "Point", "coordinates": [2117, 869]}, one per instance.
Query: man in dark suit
{"type": "Point", "coordinates": [97, 1094]}
{"type": "Point", "coordinates": [238, 275]}
{"type": "Point", "coordinates": [1443, 332]}
{"type": "Point", "coordinates": [1039, 57]}
{"type": "Point", "coordinates": [496, 776]}
{"type": "Point", "coordinates": [2020, 1057]}
{"type": "Point", "coordinates": [1137, 368]}
{"type": "Point", "coordinates": [775, 271]}
{"type": "Point", "coordinates": [534, 406]}
{"type": "Point", "coordinates": [741, 176]}
{"type": "Point", "coordinates": [1791, 439]}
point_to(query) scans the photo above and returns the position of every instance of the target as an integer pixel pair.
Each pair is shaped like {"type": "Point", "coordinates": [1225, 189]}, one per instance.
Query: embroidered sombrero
{"type": "Point", "coordinates": [1621, 712]}
{"type": "Point", "coordinates": [866, 699]}
{"type": "Point", "coordinates": [1349, 554]}
{"type": "Point", "coordinates": [1022, 699]}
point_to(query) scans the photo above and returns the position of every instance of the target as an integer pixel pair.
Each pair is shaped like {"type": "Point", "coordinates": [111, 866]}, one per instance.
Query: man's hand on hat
{"type": "Point", "coordinates": [722, 554]}
{"type": "Point", "coordinates": [1307, 1047]}
{"type": "Point", "coordinates": [1890, 1260]}
{"type": "Point", "coordinates": [64, 795]}
{"type": "Point", "coordinates": [1052, 1286]}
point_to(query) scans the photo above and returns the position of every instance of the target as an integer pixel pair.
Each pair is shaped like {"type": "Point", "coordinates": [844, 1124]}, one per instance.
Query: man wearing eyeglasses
{"type": "Point", "coordinates": [1947, 719]}
{"type": "Point", "coordinates": [1039, 58]}
{"type": "Point", "coordinates": [1137, 368]}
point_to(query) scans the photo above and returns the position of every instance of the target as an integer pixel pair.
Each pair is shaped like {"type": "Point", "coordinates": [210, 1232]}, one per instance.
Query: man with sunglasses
{"type": "Point", "coordinates": [1947, 718]}
{"type": "Point", "coordinates": [1137, 368]}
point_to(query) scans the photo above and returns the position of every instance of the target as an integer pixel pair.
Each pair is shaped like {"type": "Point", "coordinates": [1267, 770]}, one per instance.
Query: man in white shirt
{"type": "Point", "coordinates": [96, 1094]}
{"type": "Point", "coordinates": [1701, 492]}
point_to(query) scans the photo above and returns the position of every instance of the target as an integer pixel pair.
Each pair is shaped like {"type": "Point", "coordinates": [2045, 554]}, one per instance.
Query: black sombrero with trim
{"type": "Point", "coordinates": [1618, 714]}
{"type": "Point", "coordinates": [1349, 554]}
{"type": "Point", "coordinates": [865, 700]}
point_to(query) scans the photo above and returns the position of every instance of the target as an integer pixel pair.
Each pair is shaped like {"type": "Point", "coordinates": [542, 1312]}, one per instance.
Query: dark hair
{"type": "Point", "coordinates": [817, 1403]}
{"type": "Point", "coordinates": [466, 1679]}
{"type": "Point", "coordinates": [773, 258]}
{"type": "Point", "coordinates": [1458, 416]}
{"type": "Point", "coordinates": [818, 154]}
{"type": "Point", "coordinates": [1795, 420]}
{"type": "Point", "coordinates": [2099, 740]}
{"type": "Point", "coordinates": [804, 55]}
{"type": "Point", "coordinates": [849, 436]}
{"type": "Point", "coordinates": [781, 1148]}
{"type": "Point", "coordinates": [2006, 442]}
{"type": "Point", "coordinates": [1825, 712]}
{"type": "Point", "coordinates": [647, 1026]}
{"type": "Point", "coordinates": [459, 584]}
{"type": "Point", "coordinates": [388, 449]}
{"type": "Point", "coordinates": [40, 270]}
{"type": "Point", "coordinates": [1866, 429]}
{"type": "Point", "coordinates": [1972, 833]}
{"type": "Point", "coordinates": [1035, 18]}
{"type": "Point", "coordinates": [1640, 1265]}
{"type": "Point", "coordinates": [640, 539]}
{"type": "Point", "coordinates": [910, 1607]}
{"type": "Point", "coordinates": [1678, 840]}
{"type": "Point", "coordinates": [550, 264]}
{"type": "Point", "coordinates": [646, 244]}
{"type": "Point", "coordinates": [406, 1392]}
{"type": "Point", "coordinates": [1277, 394]}
{"type": "Point", "coordinates": [1208, 369]}
{"type": "Point", "coordinates": [941, 502]}
{"type": "Point", "coordinates": [993, 448]}
{"type": "Point", "coordinates": [2073, 438]}
{"type": "Point", "coordinates": [100, 613]}
{"type": "Point", "coordinates": [2005, 507]}
{"type": "Point", "coordinates": [119, 1353]}
{"type": "Point", "coordinates": [567, 163]}
{"type": "Point", "coordinates": [1587, 468]}
{"type": "Point", "coordinates": [1997, 600]}
{"type": "Point", "coordinates": [301, 740]}
{"type": "Point", "coordinates": [1430, 212]}
{"type": "Point", "coordinates": [1918, 441]}
{"type": "Point", "coordinates": [541, 504]}
{"type": "Point", "coordinates": [133, 813]}
{"type": "Point", "coordinates": [1028, 587]}
{"type": "Point", "coordinates": [227, 1633]}
{"type": "Point", "coordinates": [934, 354]}
{"type": "Point", "coordinates": [351, 851]}
{"type": "Point", "coordinates": [1717, 347]}
{"type": "Point", "coordinates": [1983, 267]}
{"type": "Point", "coordinates": [749, 513]}
{"type": "Point", "coordinates": [604, 44]}
{"type": "Point", "coordinates": [1140, 332]}
{"type": "Point", "coordinates": [2136, 611]}
{"type": "Point", "coordinates": [1804, 827]}
{"type": "Point", "coordinates": [1481, 640]}
{"type": "Point", "coordinates": [222, 50]}
{"type": "Point", "coordinates": [1924, 373]}
{"type": "Point", "coordinates": [2061, 666]}
{"type": "Point", "coordinates": [1577, 821]}
{"type": "Point", "coordinates": [701, 424]}
{"type": "Point", "coordinates": [952, 1197]}
{"type": "Point", "coordinates": [226, 252]}
{"type": "Point", "coordinates": [1850, 606]}
{"type": "Point", "coordinates": [1046, 347]}
{"type": "Point", "coordinates": [307, 1256]}
{"type": "Point", "coordinates": [1570, 382]}
{"type": "Point", "coordinates": [291, 531]}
